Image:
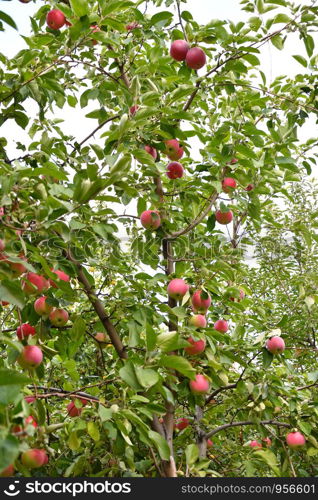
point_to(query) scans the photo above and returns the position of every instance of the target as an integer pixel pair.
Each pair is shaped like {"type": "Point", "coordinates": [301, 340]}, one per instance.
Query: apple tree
{"type": "Point", "coordinates": [158, 271]}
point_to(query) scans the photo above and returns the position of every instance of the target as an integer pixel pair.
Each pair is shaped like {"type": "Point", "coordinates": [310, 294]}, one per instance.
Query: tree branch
{"type": "Point", "coordinates": [238, 55]}
{"type": "Point", "coordinates": [196, 221]}
{"type": "Point", "coordinates": [245, 422]}
{"type": "Point", "coordinates": [98, 306]}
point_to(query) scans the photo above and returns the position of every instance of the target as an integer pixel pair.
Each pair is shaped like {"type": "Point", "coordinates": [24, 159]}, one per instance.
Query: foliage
{"type": "Point", "coordinates": [73, 204]}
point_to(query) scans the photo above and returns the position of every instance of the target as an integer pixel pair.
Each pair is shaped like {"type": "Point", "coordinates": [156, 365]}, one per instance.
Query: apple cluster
{"type": "Point", "coordinates": [33, 284]}
{"type": "Point", "coordinates": [195, 57]}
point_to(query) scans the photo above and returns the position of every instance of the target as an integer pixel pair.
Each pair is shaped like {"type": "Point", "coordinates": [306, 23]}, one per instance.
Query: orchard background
{"type": "Point", "coordinates": [97, 375]}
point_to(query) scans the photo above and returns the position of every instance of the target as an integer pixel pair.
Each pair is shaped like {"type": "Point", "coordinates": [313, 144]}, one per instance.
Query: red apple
{"type": "Point", "coordinates": [61, 275]}
{"type": "Point", "coordinates": [102, 339]}
{"type": "Point", "coordinates": [8, 471]}
{"type": "Point", "coordinates": [250, 187]}
{"type": "Point", "coordinates": [177, 289]}
{"type": "Point", "coordinates": [209, 443]}
{"type": "Point", "coordinates": [34, 458]}
{"type": "Point", "coordinates": [295, 439]}
{"type": "Point", "coordinates": [16, 429]}
{"type": "Point", "coordinates": [198, 320]}
{"type": "Point", "coordinates": [150, 219]}
{"type": "Point", "coordinates": [221, 325]}
{"type": "Point", "coordinates": [197, 347]}
{"type": "Point", "coordinates": [175, 170]}
{"type": "Point", "coordinates": [25, 330]}
{"type": "Point", "coordinates": [73, 411]}
{"type": "Point", "coordinates": [133, 110]}
{"type": "Point", "coordinates": [195, 58]}
{"type": "Point", "coordinates": [55, 19]}
{"type": "Point", "coordinates": [267, 441]}
{"type": "Point", "coordinates": [152, 151]}
{"type": "Point", "coordinates": [241, 297]}
{"type": "Point", "coordinates": [200, 385]}
{"type": "Point", "coordinates": [31, 357]}
{"type": "Point", "coordinates": [58, 317]}
{"type": "Point", "coordinates": [179, 50]}
{"type": "Point", "coordinates": [17, 267]}
{"type": "Point", "coordinates": [224, 217]}
{"type": "Point", "coordinates": [229, 184]}
{"type": "Point", "coordinates": [29, 399]}
{"type": "Point", "coordinates": [132, 26]}
{"type": "Point", "coordinates": [181, 423]}
{"type": "Point", "coordinates": [4, 303]}
{"type": "Point", "coordinates": [275, 345]}
{"type": "Point", "coordinates": [31, 421]}
{"type": "Point", "coordinates": [173, 149]}
{"type": "Point", "coordinates": [95, 29]}
{"type": "Point", "coordinates": [41, 307]}
{"type": "Point", "coordinates": [232, 162]}
{"type": "Point", "coordinates": [255, 444]}
{"type": "Point", "coordinates": [201, 301]}
{"type": "Point", "coordinates": [34, 284]}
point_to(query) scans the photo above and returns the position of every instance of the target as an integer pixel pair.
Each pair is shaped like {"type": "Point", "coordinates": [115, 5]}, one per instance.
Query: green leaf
{"type": "Point", "coordinates": [93, 431]}
{"type": "Point", "coordinates": [309, 44]}
{"type": "Point", "coordinates": [8, 393]}
{"type": "Point", "coordinates": [163, 18]}
{"type": "Point", "coordinates": [146, 377]}
{"type": "Point", "coordinates": [104, 413]}
{"type": "Point", "coordinates": [10, 291]}
{"type": "Point", "coordinates": [127, 373]}
{"type": "Point", "coordinates": [80, 7]}
{"type": "Point", "coordinates": [301, 60]}
{"type": "Point", "coordinates": [179, 364]}
{"type": "Point", "coordinates": [73, 441]}
{"type": "Point", "coordinates": [269, 458]}
{"type": "Point", "coordinates": [151, 337]}
{"type": "Point", "coordinates": [170, 341]}
{"type": "Point", "coordinates": [8, 20]}
{"type": "Point", "coordinates": [9, 451]}
{"type": "Point", "coordinates": [161, 444]}
{"type": "Point", "coordinates": [192, 454]}
{"type": "Point", "coordinates": [305, 427]}
{"type": "Point", "coordinates": [267, 358]}
{"type": "Point", "coordinates": [260, 6]}
{"type": "Point", "coordinates": [281, 18]}
{"type": "Point", "coordinates": [11, 377]}
{"type": "Point", "coordinates": [312, 452]}
{"type": "Point", "coordinates": [278, 42]}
